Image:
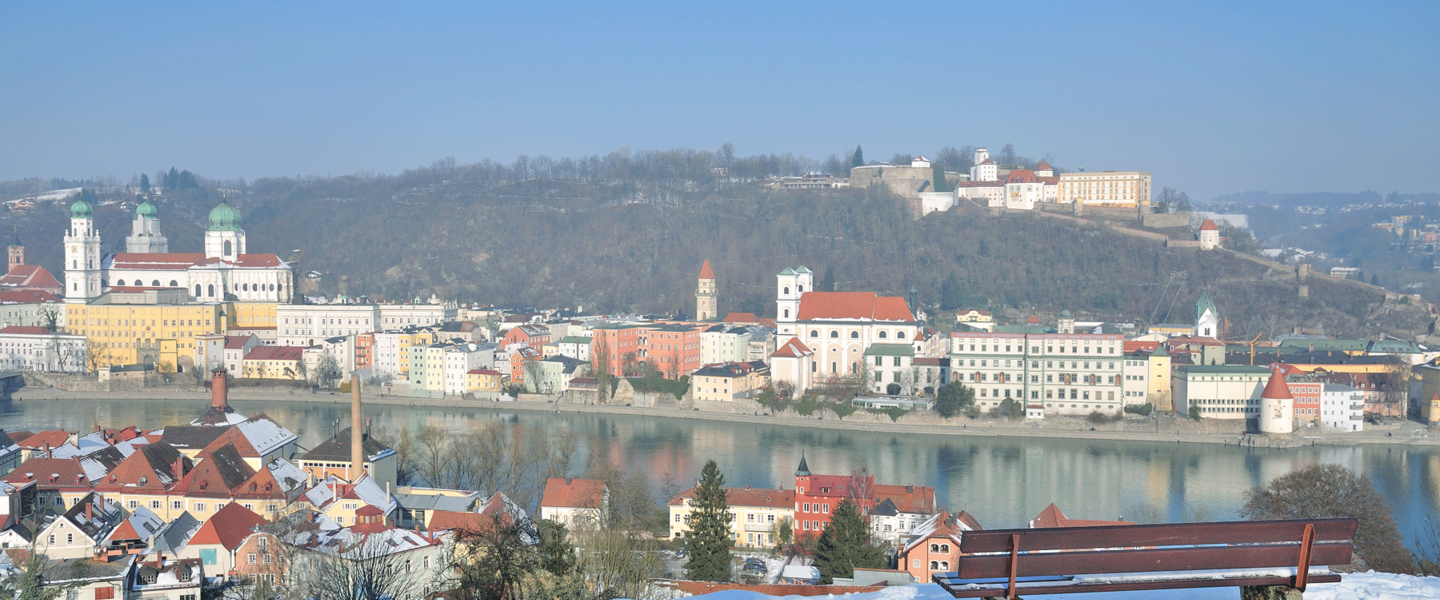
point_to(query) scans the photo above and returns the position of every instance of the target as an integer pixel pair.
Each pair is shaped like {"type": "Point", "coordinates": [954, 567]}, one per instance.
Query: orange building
{"type": "Point", "coordinates": [673, 349]}
{"type": "Point", "coordinates": [364, 351]}
{"type": "Point", "coordinates": [934, 546]}
{"type": "Point", "coordinates": [534, 336]}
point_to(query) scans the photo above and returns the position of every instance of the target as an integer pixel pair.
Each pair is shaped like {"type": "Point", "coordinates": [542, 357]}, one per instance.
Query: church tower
{"type": "Point", "coordinates": [790, 285]}
{"type": "Point", "coordinates": [82, 255]}
{"type": "Point", "coordinates": [224, 239]}
{"type": "Point", "coordinates": [705, 294]}
{"type": "Point", "coordinates": [1066, 323]}
{"type": "Point", "coordinates": [1207, 318]}
{"type": "Point", "coordinates": [145, 234]}
{"type": "Point", "coordinates": [16, 252]}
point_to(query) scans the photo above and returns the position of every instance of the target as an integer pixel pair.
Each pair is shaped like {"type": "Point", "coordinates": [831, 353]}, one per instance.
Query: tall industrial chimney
{"type": "Point", "coordinates": [357, 435]}
{"type": "Point", "coordinates": [218, 394]}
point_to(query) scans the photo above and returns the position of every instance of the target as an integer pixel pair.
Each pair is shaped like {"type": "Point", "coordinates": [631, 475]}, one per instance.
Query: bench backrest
{"type": "Point", "coordinates": [1151, 548]}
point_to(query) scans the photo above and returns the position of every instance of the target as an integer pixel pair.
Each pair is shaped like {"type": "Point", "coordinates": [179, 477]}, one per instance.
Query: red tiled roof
{"type": "Point", "coordinates": [988, 162]}
{"type": "Point", "coordinates": [1140, 347]}
{"type": "Point", "coordinates": [736, 317]}
{"type": "Point", "coordinates": [232, 435]}
{"type": "Point", "coordinates": [794, 348]}
{"type": "Point", "coordinates": [168, 261]}
{"type": "Point", "coordinates": [573, 493]}
{"type": "Point", "coordinates": [30, 276]}
{"type": "Point", "coordinates": [908, 499]}
{"type": "Point", "coordinates": [1033, 320]}
{"type": "Point", "coordinates": [228, 527]}
{"type": "Point", "coordinates": [1051, 517]}
{"type": "Point", "coordinates": [236, 342]}
{"type": "Point", "coordinates": [25, 330]}
{"type": "Point", "coordinates": [853, 305]}
{"type": "Point", "coordinates": [1042, 166]}
{"type": "Point", "coordinates": [706, 272]}
{"type": "Point", "coordinates": [1276, 389]}
{"type": "Point", "coordinates": [275, 353]}
{"type": "Point", "coordinates": [1021, 176]}
{"type": "Point", "coordinates": [27, 296]}
{"type": "Point", "coordinates": [68, 472]}
{"type": "Point", "coordinates": [1209, 225]}
{"type": "Point", "coordinates": [245, 260]}
{"type": "Point", "coordinates": [482, 372]}
{"type": "Point", "coordinates": [55, 438]}
{"type": "Point", "coordinates": [748, 496]}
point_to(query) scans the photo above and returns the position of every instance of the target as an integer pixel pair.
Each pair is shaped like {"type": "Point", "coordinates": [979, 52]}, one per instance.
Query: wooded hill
{"type": "Point", "coordinates": [635, 245]}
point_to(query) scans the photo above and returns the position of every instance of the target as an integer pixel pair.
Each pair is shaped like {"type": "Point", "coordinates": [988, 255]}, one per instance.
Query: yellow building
{"type": "Point", "coordinates": [422, 337]}
{"type": "Point", "coordinates": [757, 514]}
{"type": "Point", "coordinates": [249, 315]}
{"type": "Point", "coordinates": [149, 326]}
{"type": "Point", "coordinates": [274, 362]}
{"type": "Point", "coordinates": [1106, 188]}
{"type": "Point", "coordinates": [482, 380]}
{"type": "Point", "coordinates": [724, 382]}
{"type": "Point", "coordinates": [1158, 379]}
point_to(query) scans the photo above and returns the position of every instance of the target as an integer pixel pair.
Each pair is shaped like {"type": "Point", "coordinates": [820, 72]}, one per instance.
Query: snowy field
{"type": "Point", "coordinates": [1356, 586]}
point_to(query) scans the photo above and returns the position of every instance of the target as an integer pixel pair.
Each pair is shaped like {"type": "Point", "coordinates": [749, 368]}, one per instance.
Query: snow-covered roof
{"type": "Point", "coordinates": [265, 435]}
{"type": "Point", "coordinates": [287, 474]}
{"type": "Point", "coordinates": [67, 450]}
{"type": "Point", "coordinates": [347, 541]}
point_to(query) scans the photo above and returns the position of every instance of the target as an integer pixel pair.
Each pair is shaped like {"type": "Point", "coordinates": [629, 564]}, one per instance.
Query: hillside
{"type": "Point", "coordinates": [625, 246]}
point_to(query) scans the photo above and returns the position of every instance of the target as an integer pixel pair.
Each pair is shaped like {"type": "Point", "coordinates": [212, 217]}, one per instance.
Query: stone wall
{"type": "Point", "coordinates": [1163, 220]}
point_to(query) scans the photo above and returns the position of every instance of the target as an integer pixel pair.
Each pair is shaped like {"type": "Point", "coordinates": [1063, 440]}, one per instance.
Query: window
{"type": "Point", "coordinates": [177, 504]}
{"type": "Point", "coordinates": [267, 559]}
{"type": "Point", "coordinates": [825, 508]}
{"type": "Point", "coordinates": [199, 507]}
{"type": "Point", "coordinates": [69, 538]}
{"type": "Point", "coordinates": [882, 335]}
{"type": "Point", "coordinates": [250, 558]}
{"type": "Point", "coordinates": [854, 335]}
{"type": "Point", "coordinates": [834, 334]}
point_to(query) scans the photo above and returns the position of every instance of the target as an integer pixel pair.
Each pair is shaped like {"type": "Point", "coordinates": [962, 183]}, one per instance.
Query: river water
{"type": "Point", "coordinates": [1004, 482]}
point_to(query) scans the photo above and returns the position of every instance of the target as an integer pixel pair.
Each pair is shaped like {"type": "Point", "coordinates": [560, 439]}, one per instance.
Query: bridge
{"type": "Point", "coordinates": [10, 382]}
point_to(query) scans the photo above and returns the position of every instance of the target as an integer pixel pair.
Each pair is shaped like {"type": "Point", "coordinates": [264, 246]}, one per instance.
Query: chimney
{"type": "Point", "coordinates": [357, 439]}
{"type": "Point", "coordinates": [219, 396]}
{"type": "Point", "coordinates": [89, 506]}
{"type": "Point", "coordinates": [179, 467]}
{"type": "Point", "coordinates": [47, 449]}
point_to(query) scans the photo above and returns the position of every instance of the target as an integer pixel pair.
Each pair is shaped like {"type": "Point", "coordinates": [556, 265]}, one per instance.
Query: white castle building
{"type": "Point", "coordinates": [224, 271]}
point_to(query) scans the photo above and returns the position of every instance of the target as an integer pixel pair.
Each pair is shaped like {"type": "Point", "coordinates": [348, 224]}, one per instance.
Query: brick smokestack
{"type": "Point", "coordinates": [219, 396]}
{"type": "Point", "coordinates": [357, 434]}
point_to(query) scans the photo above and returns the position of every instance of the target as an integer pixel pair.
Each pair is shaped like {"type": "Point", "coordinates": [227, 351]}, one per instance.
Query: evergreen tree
{"type": "Point", "coordinates": [845, 545]}
{"type": "Point", "coordinates": [938, 175]}
{"type": "Point", "coordinates": [557, 554]}
{"type": "Point", "coordinates": [859, 160]}
{"type": "Point", "coordinates": [1374, 280]}
{"type": "Point", "coordinates": [144, 183]}
{"type": "Point", "coordinates": [827, 284]}
{"type": "Point", "coordinates": [953, 398]}
{"type": "Point", "coordinates": [709, 541]}
{"type": "Point", "coordinates": [952, 295]}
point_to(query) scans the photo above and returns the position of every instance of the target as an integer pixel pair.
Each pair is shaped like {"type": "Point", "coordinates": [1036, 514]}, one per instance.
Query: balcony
{"type": "Point", "coordinates": [758, 527]}
{"type": "Point", "coordinates": [1357, 407]}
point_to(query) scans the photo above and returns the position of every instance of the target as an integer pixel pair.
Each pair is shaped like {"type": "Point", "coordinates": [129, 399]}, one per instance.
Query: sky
{"type": "Point", "coordinates": [1211, 98]}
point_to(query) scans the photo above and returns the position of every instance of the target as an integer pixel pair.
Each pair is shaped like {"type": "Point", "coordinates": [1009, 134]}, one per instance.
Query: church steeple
{"type": "Point", "coordinates": [705, 294]}
{"type": "Point", "coordinates": [803, 470]}
{"type": "Point", "coordinates": [16, 252]}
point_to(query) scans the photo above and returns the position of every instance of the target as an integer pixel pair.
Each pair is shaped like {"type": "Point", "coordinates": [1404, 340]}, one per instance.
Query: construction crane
{"type": "Point", "coordinates": [1250, 343]}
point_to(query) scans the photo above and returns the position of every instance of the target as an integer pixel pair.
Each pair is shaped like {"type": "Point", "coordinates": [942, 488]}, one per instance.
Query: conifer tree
{"type": "Point", "coordinates": [827, 284]}
{"type": "Point", "coordinates": [845, 545]}
{"type": "Point", "coordinates": [709, 541]}
{"type": "Point", "coordinates": [859, 160]}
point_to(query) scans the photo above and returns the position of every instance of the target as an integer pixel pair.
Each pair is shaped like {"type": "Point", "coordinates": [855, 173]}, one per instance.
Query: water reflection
{"type": "Point", "coordinates": [1002, 481]}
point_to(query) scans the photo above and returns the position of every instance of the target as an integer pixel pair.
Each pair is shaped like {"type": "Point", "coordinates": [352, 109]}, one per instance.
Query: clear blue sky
{"type": "Point", "coordinates": [1211, 99]}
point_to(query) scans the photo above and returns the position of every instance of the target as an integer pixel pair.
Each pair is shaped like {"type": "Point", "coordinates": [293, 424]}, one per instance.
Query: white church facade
{"type": "Point", "coordinates": [225, 271]}
{"type": "Point", "coordinates": [838, 327]}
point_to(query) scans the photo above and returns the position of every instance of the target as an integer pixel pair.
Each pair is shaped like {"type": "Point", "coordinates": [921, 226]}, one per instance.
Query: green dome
{"type": "Point", "coordinates": [81, 210]}
{"type": "Point", "coordinates": [147, 210]}
{"type": "Point", "coordinates": [224, 218]}
{"type": "Point", "coordinates": [1065, 314]}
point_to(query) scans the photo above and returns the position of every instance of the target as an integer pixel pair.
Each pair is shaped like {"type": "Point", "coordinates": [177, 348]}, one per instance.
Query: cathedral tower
{"type": "Point", "coordinates": [705, 294]}
{"type": "Point", "coordinates": [224, 239]}
{"type": "Point", "coordinates": [82, 255]}
{"type": "Point", "coordinates": [145, 234]}
{"type": "Point", "coordinates": [16, 252]}
{"type": "Point", "coordinates": [790, 285]}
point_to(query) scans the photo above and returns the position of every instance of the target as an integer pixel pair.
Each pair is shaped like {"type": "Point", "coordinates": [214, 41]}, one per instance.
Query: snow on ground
{"type": "Point", "coordinates": [1356, 586]}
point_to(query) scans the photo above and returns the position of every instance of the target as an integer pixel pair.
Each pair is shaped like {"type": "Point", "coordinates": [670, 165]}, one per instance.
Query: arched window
{"type": "Point", "coordinates": [934, 565]}
{"type": "Point", "coordinates": [787, 313]}
{"type": "Point", "coordinates": [934, 547]}
{"type": "Point", "coordinates": [155, 283]}
{"type": "Point", "coordinates": [245, 286]}
{"type": "Point", "coordinates": [173, 283]}
{"type": "Point", "coordinates": [944, 565]}
{"type": "Point", "coordinates": [272, 287]}
{"type": "Point", "coordinates": [814, 367]}
{"type": "Point", "coordinates": [74, 264]}
{"type": "Point", "coordinates": [814, 333]}
{"type": "Point", "coordinates": [900, 335]}
{"type": "Point", "coordinates": [854, 368]}
{"type": "Point", "coordinates": [834, 368]}
{"type": "Point", "coordinates": [787, 290]}
{"type": "Point", "coordinates": [800, 288]}
{"type": "Point", "coordinates": [882, 335]}
{"type": "Point", "coordinates": [945, 548]}
{"type": "Point", "coordinates": [120, 283]}
{"type": "Point", "coordinates": [834, 334]}
{"type": "Point", "coordinates": [227, 248]}
{"type": "Point", "coordinates": [210, 290]}
{"type": "Point", "coordinates": [197, 290]}
{"type": "Point", "coordinates": [854, 335]}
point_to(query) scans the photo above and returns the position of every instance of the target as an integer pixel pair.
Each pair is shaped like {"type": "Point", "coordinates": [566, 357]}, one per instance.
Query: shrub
{"type": "Point", "coordinates": [807, 406]}
{"type": "Point", "coordinates": [843, 409]}
{"type": "Point", "coordinates": [1143, 410]}
{"type": "Point", "coordinates": [1195, 413]}
{"type": "Point", "coordinates": [1333, 491]}
{"type": "Point", "coordinates": [1097, 418]}
{"type": "Point", "coordinates": [895, 412]}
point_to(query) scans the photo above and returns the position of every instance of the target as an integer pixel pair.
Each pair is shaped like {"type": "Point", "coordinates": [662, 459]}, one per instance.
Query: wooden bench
{"type": "Point", "coordinates": [1149, 557]}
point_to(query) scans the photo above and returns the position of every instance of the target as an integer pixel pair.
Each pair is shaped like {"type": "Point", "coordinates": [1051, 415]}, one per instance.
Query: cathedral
{"type": "Point", "coordinates": [223, 272]}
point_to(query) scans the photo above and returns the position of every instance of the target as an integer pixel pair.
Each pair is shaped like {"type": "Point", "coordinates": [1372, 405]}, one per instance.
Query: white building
{"type": "Point", "coordinates": [984, 169]}
{"type": "Point", "coordinates": [1105, 189]}
{"type": "Point", "coordinates": [792, 365]}
{"type": "Point", "coordinates": [1219, 391]}
{"type": "Point", "coordinates": [434, 312]}
{"type": "Point", "coordinates": [1135, 370]}
{"type": "Point", "coordinates": [30, 309]}
{"type": "Point", "coordinates": [1342, 408]}
{"type": "Point", "coordinates": [224, 271]}
{"type": "Point", "coordinates": [39, 349]}
{"type": "Point", "coordinates": [1049, 373]}
{"type": "Point", "coordinates": [460, 359]}
{"type": "Point", "coordinates": [576, 347]}
{"type": "Point", "coordinates": [145, 236]}
{"type": "Point", "coordinates": [1209, 235]}
{"type": "Point", "coordinates": [307, 324]}
{"type": "Point", "coordinates": [838, 326]}
{"type": "Point", "coordinates": [722, 344]}
{"type": "Point", "coordinates": [1207, 318]}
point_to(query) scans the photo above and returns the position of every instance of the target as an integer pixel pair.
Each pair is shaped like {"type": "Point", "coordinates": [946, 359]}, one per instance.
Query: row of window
{"type": "Point", "coordinates": [855, 335]}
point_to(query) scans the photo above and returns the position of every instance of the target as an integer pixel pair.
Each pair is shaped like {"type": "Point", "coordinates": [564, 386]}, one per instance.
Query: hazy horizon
{"type": "Point", "coordinates": [1211, 100]}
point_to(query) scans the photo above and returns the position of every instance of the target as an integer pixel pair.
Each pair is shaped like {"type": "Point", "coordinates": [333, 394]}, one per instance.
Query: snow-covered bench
{"type": "Point", "coordinates": [1009, 562]}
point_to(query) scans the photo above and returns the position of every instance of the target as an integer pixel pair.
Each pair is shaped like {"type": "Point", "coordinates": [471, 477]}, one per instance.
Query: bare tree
{"type": "Point", "coordinates": [367, 569]}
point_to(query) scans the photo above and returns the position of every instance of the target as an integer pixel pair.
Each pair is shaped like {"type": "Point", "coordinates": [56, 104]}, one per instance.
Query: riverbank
{"type": "Point", "coordinates": [1165, 429]}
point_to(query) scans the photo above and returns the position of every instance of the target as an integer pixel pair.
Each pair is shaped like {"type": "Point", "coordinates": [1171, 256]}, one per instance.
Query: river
{"type": "Point", "coordinates": [1004, 482]}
